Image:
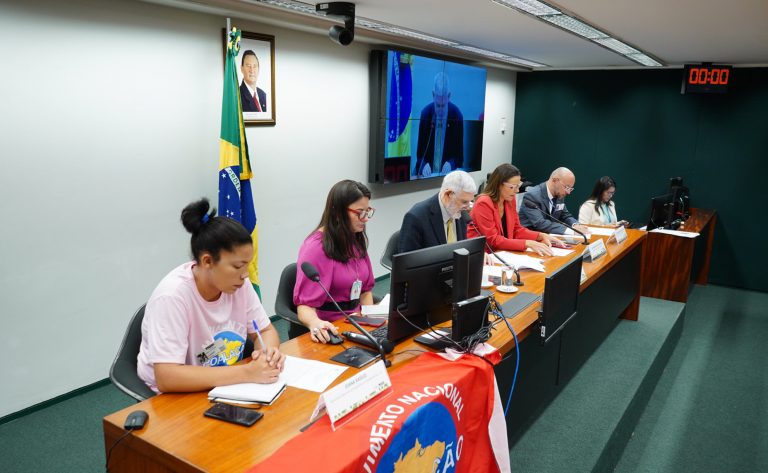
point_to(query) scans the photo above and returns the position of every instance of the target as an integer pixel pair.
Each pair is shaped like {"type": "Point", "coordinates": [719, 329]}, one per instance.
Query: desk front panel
{"type": "Point", "coordinates": [668, 263]}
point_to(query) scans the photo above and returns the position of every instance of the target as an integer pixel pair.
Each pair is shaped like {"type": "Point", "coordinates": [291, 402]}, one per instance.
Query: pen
{"type": "Point", "coordinates": [258, 334]}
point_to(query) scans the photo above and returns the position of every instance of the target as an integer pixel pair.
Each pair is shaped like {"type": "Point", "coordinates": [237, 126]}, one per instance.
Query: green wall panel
{"type": "Point", "coordinates": [637, 127]}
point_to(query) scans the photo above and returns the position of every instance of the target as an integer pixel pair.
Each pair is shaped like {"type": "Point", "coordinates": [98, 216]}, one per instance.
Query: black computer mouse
{"type": "Point", "coordinates": [335, 339]}
{"type": "Point", "coordinates": [136, 420]}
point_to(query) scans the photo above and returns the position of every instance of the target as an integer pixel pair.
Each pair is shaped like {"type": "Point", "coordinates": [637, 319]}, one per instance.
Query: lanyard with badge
{"type": "Point", "coordinates": [357, 286]}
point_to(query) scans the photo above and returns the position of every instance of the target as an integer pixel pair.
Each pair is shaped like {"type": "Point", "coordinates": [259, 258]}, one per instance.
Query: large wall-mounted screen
{"type": "Point", "coordinates": [426, 116]}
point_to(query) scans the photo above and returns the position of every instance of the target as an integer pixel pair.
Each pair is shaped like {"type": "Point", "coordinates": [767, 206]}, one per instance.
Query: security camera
{"type": "Point", "coordinates": [345, 11]}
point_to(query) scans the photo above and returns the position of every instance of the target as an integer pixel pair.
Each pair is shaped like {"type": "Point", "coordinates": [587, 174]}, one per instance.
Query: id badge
{"type": "Point", "coordinates": [212, 351]}
{"type": "Point", "coordinates": [357, 287]}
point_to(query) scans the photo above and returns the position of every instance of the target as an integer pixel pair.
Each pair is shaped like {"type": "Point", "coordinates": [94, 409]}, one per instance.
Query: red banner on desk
{"type": "Point", "coordinates": [442, 416]}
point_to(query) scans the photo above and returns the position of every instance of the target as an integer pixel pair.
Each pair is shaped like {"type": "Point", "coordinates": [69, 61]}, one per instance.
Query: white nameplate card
{"type": "Point", "coordinates": [343, 399]}
{"type": "Point", "coordinates": [597, 249]}
{"type": "Point", "coordinates": [619, 235]}
{"type": "Point", "coordinates": [583, 276]}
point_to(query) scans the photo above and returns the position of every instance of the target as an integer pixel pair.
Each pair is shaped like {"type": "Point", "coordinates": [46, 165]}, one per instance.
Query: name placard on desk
{"type": "Point", "coordinates": [619, 235]}
{"type": "Point", "coordinates": [341, 400]}
{"type": "Point", "coordinates": [595, 250]}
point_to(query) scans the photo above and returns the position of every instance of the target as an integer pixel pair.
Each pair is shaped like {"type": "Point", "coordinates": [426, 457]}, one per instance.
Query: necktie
{"type": "Point", "coordinates": [554, 199]}
{"type": "Point", "coordinates": [256, 101]}
{"type": "Point", "coordinates": [450, 232]}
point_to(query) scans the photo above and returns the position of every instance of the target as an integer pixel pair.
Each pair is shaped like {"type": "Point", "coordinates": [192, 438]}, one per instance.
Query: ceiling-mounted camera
{"type": "Point", "coordinates": [345, 11]}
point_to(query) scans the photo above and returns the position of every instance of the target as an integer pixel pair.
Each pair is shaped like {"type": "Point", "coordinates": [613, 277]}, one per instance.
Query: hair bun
{"type": "Point", "coordinates": [195, 215]}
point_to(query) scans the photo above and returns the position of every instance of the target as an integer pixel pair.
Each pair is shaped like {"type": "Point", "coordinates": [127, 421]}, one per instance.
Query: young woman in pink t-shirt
{"type": "Point", "coordinates": [197, 319]}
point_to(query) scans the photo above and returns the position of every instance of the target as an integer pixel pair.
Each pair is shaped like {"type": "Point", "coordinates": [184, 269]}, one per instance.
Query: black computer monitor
{"type": "Point", "coordinates": [662, 211]}
{"type": "Point", "coordinates": [560, 299]}
{"type": "Point", "coordinates": [424, 284]}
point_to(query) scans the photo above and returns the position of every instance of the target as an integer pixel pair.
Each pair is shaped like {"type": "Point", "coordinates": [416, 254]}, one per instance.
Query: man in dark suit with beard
{"type": "Point", "coordinates": [437, 220]}
{"type": "Point", "coordinates": [440, 148]}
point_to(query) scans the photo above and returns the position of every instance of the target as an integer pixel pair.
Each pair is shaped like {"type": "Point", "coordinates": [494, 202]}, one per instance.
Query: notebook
{"type": "Point", "coordinates": [248, 392]}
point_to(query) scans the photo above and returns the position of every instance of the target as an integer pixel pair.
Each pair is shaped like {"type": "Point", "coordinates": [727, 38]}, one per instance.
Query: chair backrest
{"type": "Point", "coordinates": [123, 371]}
{"type": "Point", "coordinates": [284, 306]}
{"type": "Point", "coordinates": [389, 251]}
{"type": "Point", "coordinates": [519, 200]}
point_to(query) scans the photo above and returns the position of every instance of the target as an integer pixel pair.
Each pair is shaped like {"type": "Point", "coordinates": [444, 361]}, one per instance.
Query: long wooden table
{"type": "Point", "coordinates": [671, 262]}
{"type": "Point", "coordinates": [178, 438]}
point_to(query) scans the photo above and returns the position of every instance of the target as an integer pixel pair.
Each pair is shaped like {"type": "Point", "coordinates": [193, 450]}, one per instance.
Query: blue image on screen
{"type": "Point", "coordinates": [434, 116]}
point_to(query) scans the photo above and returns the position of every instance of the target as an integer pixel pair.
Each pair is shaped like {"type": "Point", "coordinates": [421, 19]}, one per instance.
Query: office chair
{"type": "Point", "coordinates": [284, 302]}
{"type": "Point", "coordinates": [389, 250]}
{"type": "Point", "coordinates": [123, 371]}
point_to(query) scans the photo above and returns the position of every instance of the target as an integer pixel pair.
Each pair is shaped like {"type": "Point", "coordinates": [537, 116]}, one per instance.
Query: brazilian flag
{"type": "Point", "coordinates": [235, 194]}
{"type": "Point", "coordinates": [399, 105]}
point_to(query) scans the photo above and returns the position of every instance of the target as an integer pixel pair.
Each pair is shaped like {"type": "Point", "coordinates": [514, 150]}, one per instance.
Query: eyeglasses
{"type": "Point", "coordinates": [363, 214]}
{"type": "Point", "coordinates": [568, 188]}
{"type": "Point", "coordinates": [512, 186]}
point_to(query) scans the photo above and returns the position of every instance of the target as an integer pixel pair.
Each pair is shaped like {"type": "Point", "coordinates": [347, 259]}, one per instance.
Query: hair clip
{"type": "Point", "coordinates": [206, 217]}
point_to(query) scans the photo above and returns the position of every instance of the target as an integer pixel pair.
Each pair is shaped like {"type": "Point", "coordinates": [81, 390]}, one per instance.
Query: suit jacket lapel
{"type": "Point", "coordinates": [436, 219]}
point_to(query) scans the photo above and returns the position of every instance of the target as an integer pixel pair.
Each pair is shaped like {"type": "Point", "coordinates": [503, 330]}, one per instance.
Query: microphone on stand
{"type": "Point", "coordinates": [531, 205]}
{"type": "Point", "coordinates": [312, 274]}
{"type": "Point", "coordinates": [468, 218]}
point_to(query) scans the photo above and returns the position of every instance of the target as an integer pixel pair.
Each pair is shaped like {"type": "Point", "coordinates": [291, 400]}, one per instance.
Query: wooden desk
{"type": "Point", "coordinates": [671, 263]}
{"type": "Point", "coordinates": [178, 438]}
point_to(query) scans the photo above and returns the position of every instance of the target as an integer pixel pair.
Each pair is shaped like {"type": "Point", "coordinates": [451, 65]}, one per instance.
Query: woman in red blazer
{"type": "Point", "coordinates": [495, 215]}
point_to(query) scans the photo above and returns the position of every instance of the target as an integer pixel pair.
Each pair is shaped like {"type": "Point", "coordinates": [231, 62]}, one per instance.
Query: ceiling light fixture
{"type": "Point", "coordinates": [553, 16]}
{"type": "Point", "coordinates": [643, 59]}
{"type": "Point", "coordinates": [532, 7]}
{"type": "Point", "coordinates": [575, 26]}
{"type": "Point", "coordinates": [616, 45]}
{"type": "Point", "coordinates": [500, 56]}
{"type": "Point", "coordinates": [396, 30]}
{"type": "Point", "coordinates": [291, 5]}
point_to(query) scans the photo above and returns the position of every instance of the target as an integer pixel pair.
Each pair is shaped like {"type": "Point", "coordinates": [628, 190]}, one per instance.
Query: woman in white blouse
{"type": "Point", "coordinates": [599, 209]}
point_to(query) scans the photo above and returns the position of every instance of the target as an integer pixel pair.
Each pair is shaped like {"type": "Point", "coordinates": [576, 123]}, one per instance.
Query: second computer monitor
{"type": "Point", "coordinates": [423, 283]}
{"type": "Point", "coordinates": [560, 299]}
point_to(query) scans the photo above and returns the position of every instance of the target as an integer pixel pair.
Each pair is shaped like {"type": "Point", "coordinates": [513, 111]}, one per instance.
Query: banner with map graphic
{"type": "Point", "coordinates": [442, 416]}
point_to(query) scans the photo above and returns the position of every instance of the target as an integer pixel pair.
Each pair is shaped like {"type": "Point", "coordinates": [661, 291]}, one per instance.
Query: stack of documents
{"type": "Point", "coordinates": [519, 261]}
{"type": "Point", "coordinates": [679, 233]}
{"type": "Point", "coordinates": [381, 309]}
{"type": "Point", "coordinates": [556, 251]}
{"type": "Point", "coordinates": [298, 373]}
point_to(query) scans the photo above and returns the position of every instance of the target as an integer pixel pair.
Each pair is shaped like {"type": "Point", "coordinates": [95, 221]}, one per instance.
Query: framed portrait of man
{"type": "Point", "coordinates": [256, 76]}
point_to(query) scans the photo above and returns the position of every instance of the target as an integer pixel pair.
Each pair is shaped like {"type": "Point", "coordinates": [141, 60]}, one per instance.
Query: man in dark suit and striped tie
{"type": "Point", "coordinates": [252, 98]}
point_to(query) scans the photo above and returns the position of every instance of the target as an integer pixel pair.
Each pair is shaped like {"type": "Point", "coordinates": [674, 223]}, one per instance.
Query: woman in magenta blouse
{"type": "Point", "coordinates": [338, 248]}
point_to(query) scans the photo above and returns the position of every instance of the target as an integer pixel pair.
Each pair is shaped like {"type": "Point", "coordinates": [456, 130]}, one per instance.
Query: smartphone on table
{"type": "Point", "coordinates": [235, 414]}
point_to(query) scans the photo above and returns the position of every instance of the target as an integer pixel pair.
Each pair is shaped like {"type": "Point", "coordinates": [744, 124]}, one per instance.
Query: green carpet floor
{"type": "Point", "coordinates": [586, 427]}
{"type": "Point", "coordinates": [709, 412]}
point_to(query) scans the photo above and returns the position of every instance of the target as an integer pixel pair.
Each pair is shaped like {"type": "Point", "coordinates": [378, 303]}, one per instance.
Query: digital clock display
{"type": "Point", "coordinates": [706, 78]}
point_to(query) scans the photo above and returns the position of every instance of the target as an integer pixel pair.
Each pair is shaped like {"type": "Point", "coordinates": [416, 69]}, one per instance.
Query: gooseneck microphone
{"type": "Point", "coordinates": [312, 274]}
{"type": "Point", "coordinates": [468, 218]}
{"type": "Point", "coordinates": [531, 205]}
